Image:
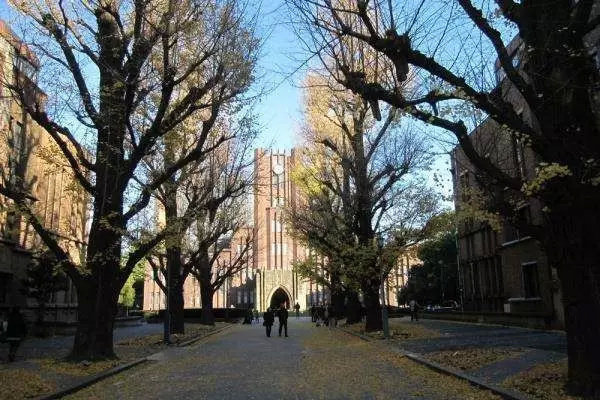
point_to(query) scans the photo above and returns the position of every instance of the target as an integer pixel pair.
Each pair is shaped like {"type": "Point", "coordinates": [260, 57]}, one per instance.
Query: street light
{"type": "Point", "coordinates": [442, 278]}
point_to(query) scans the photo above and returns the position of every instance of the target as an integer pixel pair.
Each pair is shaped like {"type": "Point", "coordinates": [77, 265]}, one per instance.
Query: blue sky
{"type": "Point", "coordinates": [280, 110]}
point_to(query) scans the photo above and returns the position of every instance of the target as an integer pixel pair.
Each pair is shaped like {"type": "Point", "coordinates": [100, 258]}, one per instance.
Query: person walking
{"type": "Point", "coordinates": [313, 313]}
{"type": "Point", "coordinates": [297, 308]}
{"type": "Point", "coordinates": [283, 317]}
{"type": "Point", "coordinates": [268, 319]}
{"type": "Point", "coordinates": [414, 310]}
{"type": "Point", "coordinates": [16, 331]}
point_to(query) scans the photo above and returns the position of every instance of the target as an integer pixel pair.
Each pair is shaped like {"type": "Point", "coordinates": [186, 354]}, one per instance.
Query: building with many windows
{"type": "Point", "coordinates": [503, 270]}
{"type": "Point", "coordinates": [269, 278]}
{"type": "Point", "coordinates": [30, 162]}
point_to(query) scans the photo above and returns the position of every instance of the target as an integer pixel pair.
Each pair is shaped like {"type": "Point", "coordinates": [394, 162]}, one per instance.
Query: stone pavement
{"type": "Point", "coordinates": [535, 346]}
{"type": "Point", "coordinates": [242, 363]}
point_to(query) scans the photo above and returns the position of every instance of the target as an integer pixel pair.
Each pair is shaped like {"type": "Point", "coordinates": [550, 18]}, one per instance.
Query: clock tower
{"type": "Point", "coordinates": [276, 251]}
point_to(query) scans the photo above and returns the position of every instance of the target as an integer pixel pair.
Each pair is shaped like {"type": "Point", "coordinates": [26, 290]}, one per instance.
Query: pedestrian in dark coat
{"type": "Point", "coordinates": [16, 331]}
{"type": "Point", "coordinates": [283, 317]}
{"type": "Point", "coordinates": [268, 320]}
{"type": "Point", "coordinates": [297, 308]}
{"type": "Point", "coordinates": [414, 310]}
{"type": "Point", "coordinates": [313, 313]}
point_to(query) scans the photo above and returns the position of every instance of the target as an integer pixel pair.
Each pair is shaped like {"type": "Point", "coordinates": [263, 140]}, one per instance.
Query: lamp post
{"type": "Point", "coordinates": [384, 311]}
{"type": "Point", "coordinates": [442, 278]}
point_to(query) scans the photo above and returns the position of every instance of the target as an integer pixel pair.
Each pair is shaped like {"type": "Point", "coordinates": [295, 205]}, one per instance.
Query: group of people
{"type": "Point", "coordinates": [269, 319]}
{"type": "Point", "coordinates": [13, 330]}
{"type": "Point", "coordinates": [252, 316]}
{"type": "Point", "coordinates": [323, 315]}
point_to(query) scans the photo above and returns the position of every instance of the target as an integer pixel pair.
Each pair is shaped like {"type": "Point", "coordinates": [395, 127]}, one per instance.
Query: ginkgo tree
{"type": "Point", "coordinates": [129, 73]}
{"type": "Point", "coordinates": [356, 179]}
{"type": "Point", "coordinates": [532, 68]}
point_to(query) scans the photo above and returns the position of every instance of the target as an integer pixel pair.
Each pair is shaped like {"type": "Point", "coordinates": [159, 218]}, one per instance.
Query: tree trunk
{"type": "Point", "coordinates": [176, 307]}
{"type": "Point", "coordinates": [206, 289]}
{"type": "Point", "coordinates": [206, 292]}
{"type": "Point", "coordinates": [176, 302]}
{"type": "Point", "coordinates": [580, 293]}
{"type": "Point", "coordinates": [337, 295]}
{"type": "Point", "coordinates": [576, 254]}
{"type": "Point", "coordinates": [98, 291]}
{"type": "Point", "coordinates": [96, 313]}
{"type": "Point", "coordinates": [352, 308]}
{"type": "Point", "coordinates": [337, 302]}
{"type": "Point", "coordinates": [99, 285]}
{"type": "Point", "coordinates": [372, 309]}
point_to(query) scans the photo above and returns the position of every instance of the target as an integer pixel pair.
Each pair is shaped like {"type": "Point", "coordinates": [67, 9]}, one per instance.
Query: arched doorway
{"type": "Point", "coordinates": [280, 296]}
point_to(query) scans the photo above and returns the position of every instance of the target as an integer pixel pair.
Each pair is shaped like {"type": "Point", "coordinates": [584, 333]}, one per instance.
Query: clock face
{"type": "Point", "coordinates": [278, 169]}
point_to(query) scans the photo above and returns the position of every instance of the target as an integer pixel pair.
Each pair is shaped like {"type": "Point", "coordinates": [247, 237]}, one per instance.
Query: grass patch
{"type": "Point", "coordinates": [543, 382]}
{"type": "Point", "coordinates": [472, 358]}
{"type": "Point", "coordinates": [83, 368]}
{"type": "Point", "coordinates": [357, 369]}
{"type": "Point", "coordinates": [12, 384]}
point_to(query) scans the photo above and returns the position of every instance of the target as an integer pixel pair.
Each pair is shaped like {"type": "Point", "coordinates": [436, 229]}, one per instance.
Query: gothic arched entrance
{"type": "Point", "coordinates": [278, 297]}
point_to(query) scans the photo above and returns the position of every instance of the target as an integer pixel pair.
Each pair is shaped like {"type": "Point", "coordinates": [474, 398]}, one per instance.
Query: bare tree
{"type": "Point", "coordinates": [219, 242]}
{"type": "Point", "coordinates": [359, 170]}
{"type": "Point", "coordinates": [138, 71]}
{"type": "Point", "coordinates": [550, 71]}
{"type": "Point", "coordinates": [201, 206]}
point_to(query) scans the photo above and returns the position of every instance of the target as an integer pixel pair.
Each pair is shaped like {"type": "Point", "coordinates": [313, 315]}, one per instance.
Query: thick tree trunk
{"type": "Point", "coordinates": [176, 307]}
{"type": "Point", "coordinates": [576, 254]}
{"type": "Point", "coordinates": [176, 281]}
{"type": "Point", "coordinates": [337, 302]}
{"type": "Point", "coordinates": [174, 243]}
{"type": "Point", "coordinates": [206, 293]}
{"type": "Point", "coordinates": [372, 309]}
{"type": "Point", "coordinates": [98, 291]}
{"type": "Point", "coordinates": [352, 308]}
{"type": "Point", "coordinates": [582, 323]}
{"type": "Point", "coordinates": [98, 287]}
{"type": "Point", "coordinates": [206, 289]}
{"type": "Point", "coordinates": [568, 119]}
{"type": "Point", "coordinates": [337, 295]}
{"type": "Point", "coordinates": [96, 313]}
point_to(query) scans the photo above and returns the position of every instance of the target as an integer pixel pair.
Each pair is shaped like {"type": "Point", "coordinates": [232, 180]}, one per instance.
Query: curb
{"type": "Point", "coordinates": [92, 380]}
{"type": "Point", "coordinates": [505, 394]}
{"type": "Point", "coordinates": [558, 331]}
{"type": "Point", "coordinates": [196, 339]}
{"type": "Point", "coordinates": [120, 368]}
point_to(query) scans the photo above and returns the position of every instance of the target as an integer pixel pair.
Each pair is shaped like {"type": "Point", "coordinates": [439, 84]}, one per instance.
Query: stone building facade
{"type": "Point", "coordinates": [275, 251]}
{"type": "Point", "coordinates": [269, 279]}
{"type": "Point", "coordinates": [31, 161]}
{"type": "Point", "coordinates": [503, 270]}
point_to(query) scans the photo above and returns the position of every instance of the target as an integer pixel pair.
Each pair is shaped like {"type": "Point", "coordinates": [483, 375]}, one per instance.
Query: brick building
{"type": "Point", "coordinates": [30, 161]}
{"type": "Point", "coordinates": [503, 270]}
{"type": "Point", "coordinates": [268, 278]}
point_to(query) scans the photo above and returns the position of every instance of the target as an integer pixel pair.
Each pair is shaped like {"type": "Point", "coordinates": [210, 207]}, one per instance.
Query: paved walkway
{"type": "Point", "coordinates": [534, 346]}
{"type": "Point", "coordinates": [59, 346]}
{"type": "Point", "coordinates": [313, 363]}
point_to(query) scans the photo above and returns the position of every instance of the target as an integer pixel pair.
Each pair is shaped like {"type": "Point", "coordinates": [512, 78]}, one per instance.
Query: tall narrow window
{"type": "Point", "coordinates": [17, 147]}
{"type": "Point", "coordinates": [530, 279]}
{"type": "Point", "coordinates": [5, 281]}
